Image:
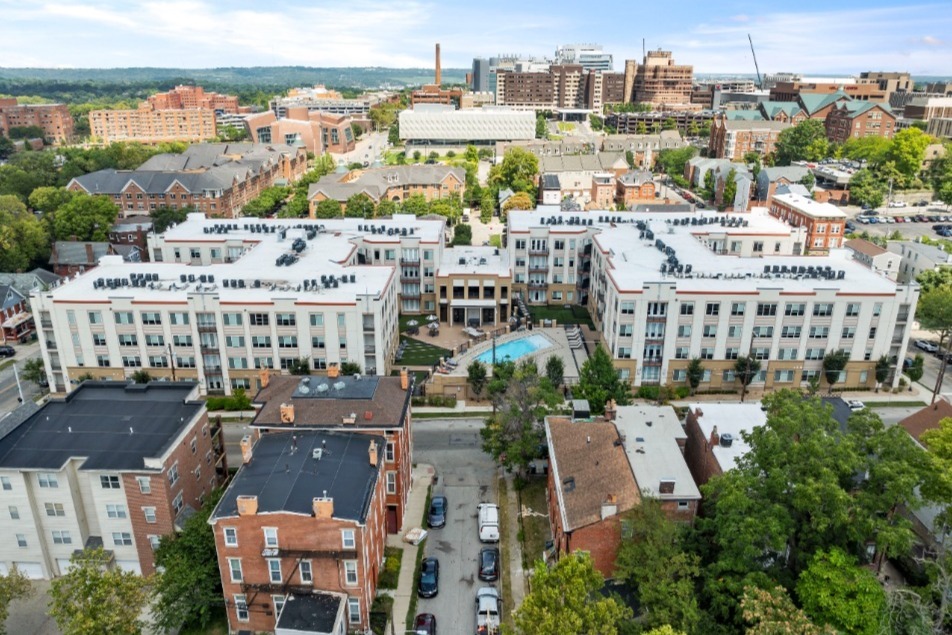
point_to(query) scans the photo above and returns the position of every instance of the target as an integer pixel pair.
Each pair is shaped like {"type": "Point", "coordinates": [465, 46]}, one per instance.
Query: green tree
{"type": "Point", "coordinates": [24, 241]}
{"type": "Point", "coordinates": [669, 124]}
{"type": "Point", "coordinates": [300, 366]}
{"type": "Point", "coordinates": [141, 376]}
{"type": "Point", "coordinates": [906, 152]}
{"type": "Point", "coordinates": [13, 586]}
{"type": "Point", "coordinates": [597, 123]}
{"type": "Point", "coordinates": [188, 591]}
{"type": "Point", "coordinates": [232, 134]}
{"type": "Point", "coordinates": [772, 612]}
{"type": "Point", "coordinates": [865, 189]}
{"type": "Point", "coordinates": [834, 363]}
{"type": "Point", "coordinates": [598, 382]}
{"type": "Point", "coordinates": [240, 399]}
{"type": "Point", "coordinates": [808, 181]}
{"type": "Point", "coordinates": [882, 370]}
{"type": "Point", "coordinates": [695, 373]}
{"type": "Point", "coordinates": [48, 199]}
{"type": "Point", "coordinates": [416, 205]}
{"type": "Point", "coordinates": [386, 208]}
{"type": "Point", "coordinates": [555, 370]}
{"type": "Point", "coordinates": [357, 130]}
{"type": "Point", "coordinates": [417, 155]}
{"type": "Point", "coordinates": [349, 368]}
{"type": "Point", "coordinates": [653, 561]}
{"type": "Point", "coordinates": [359, 206]}
{"type": "Point", "coordinates": [518, 171]}
{"type": "Point", "coordinates": [542, 127]}
{"type": "Point", "coordinates": [449, 208]}
{"type": "Point", "coordinates": [931, 279]}
{"type": "Point", "coordinates": [328, 208]}
{"type": "Point", "coordinates": [673, 161]}
{"type": "Point", "coordinates": [33, 370]}
{"type": "Point", "coordinates": [804, 142]}
{"type": "Point", "coordinates": [476, 377]}
{"type": "Point", "coordinates": [487, 206]}
{"type": "Point", "coordinates": [746, 369]}
{"type": "Point", "coordinates": [641, 128]}
{"type": "Point", "coordinates": [873, 150]}
{"type": "Point", "coordinates": [519, 200]}
{"type": "Point", "coordinates": [462, 235]}
{"type": "Point", "coordinates": [835, 590]}
{"type": "Point", "coordinates": [27, 132]}
{"type": "Point", "coordinates": [730, 189]}
{"type": "Point", "coordinates": [934, 313]}
{"type": "Point", "coordinates": [709, 186]}
{"type": "Point", "coordinates": [94, 597]}
{"type": "Point", "coordinates": [86, 218]}
{"type": "Point", "coordinates": [393, 135]}
{"type": "Point", "coordinates": [916, 369]}
{"type": "Point", "coordinates": [566, 599]}
{"type": "Point", "coordinates": [513, 436]}
{"type": "Point", "coordinates": [940, 174]}
{"type": "Point", "coordinates": [7, 148]}
{"type": "Point", "coordinates": [164, 217]}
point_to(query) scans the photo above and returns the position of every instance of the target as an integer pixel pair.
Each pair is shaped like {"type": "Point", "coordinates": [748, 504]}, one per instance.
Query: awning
{"type": "Point", "coordinates": [463, 303]}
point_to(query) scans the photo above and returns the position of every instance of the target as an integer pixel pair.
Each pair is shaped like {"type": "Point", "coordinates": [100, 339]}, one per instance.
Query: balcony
{"type": "Point", "coordinates": [410, 293]}
{"type": "Point", "coordinates": [538, 268]}
{"type": "Point", "coordinates": [51, 345]}
{"type": "Point", "coordinates": [368, 324]}
{"type": "Point", "coordinates": [46, 324]}
{"type": "Point", "coordinates": [207, 328]}
{"type": "Point", "coordinates": [406, 276]}
{"type": "Point", "coordinates": [538, 284]}
{"type": "Point", "coordinates": [538, 251]}
{"type": "Point", "coordinates": [405, 260]}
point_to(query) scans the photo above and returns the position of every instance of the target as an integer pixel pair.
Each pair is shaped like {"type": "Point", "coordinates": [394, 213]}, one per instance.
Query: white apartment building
{"type": "Point", "coordinates": [663, 288]}
{"type": "Point", "coordinates": [225, 301]}
{"type": "Point", "coordinates": [917, 257]}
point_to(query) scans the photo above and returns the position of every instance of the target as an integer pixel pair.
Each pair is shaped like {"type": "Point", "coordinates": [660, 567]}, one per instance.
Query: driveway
{"type": "Point", "coordinates": [466, 476]}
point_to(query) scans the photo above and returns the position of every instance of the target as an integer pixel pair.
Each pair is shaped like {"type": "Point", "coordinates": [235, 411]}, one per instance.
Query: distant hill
{"type": "Point", "coordinates": [270, 76]}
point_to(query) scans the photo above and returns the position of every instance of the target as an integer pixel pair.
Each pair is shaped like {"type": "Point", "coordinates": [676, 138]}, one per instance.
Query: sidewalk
{"type": "Point", "coordinates": [461, 406]}
{"type": "Point", "coordinates": [421, 477]}
{"type": "Point", "coordinates": [517, 577]}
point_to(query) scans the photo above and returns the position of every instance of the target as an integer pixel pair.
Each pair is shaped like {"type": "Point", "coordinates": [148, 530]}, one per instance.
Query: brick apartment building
{"type": "Point", "coordinates": [603, 191]}
{"type": "Point", "coordinates": [560, 86]}
{"type": "Point", "coordinates": [790, 91]}
{"type": "Point", "coordinates": [600, 469]}
{"type": "Point", "coordinates": [132, 231]}
{"type": "Point", "coordinates": [378, 406]}
{"type": "Point", "coordinates": [395, 183]}
{"type": "Point", "coordinates": [112, 464]}
{"type": "Point", "coordinates": [317, 131]}
{"type": "Point", "coordinates": [825, 223]}
{"type": "Point", "coordinates": [147, 125]}
{"type": "Point", "coordinates": [635, 187]}
{"type": "Point", "coordinates": [217, 179]}
{"type": "Point", "coordinates": [857, 119]}
{"type": "Point", "coordinates": [302, 521]}
{"type": "Point", "coordinates": [714, 442]}
{"type": "Point", "coordinates": [734, 139]}
{"type": "Point", "coordinates": [660, 82]}
{"type": "Point", "coordinates": [192, 97]}
{"type": "Point", "coordinates": [54, 119]}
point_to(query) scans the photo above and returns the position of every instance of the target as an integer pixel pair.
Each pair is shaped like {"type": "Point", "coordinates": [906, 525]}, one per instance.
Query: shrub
{"type": "Point", "coordinates": [682, 392]}
{"type": "Point", "coordinates": [648, 392]}
{"type": "Point", "coordinates": [390, 574]}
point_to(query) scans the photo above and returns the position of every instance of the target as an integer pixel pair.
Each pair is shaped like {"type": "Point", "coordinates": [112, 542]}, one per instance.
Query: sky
{"type": "Point", "coordinates": [806, 36]}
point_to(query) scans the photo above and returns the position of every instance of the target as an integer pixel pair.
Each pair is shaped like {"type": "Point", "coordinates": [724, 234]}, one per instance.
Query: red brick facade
{"type": "Point", "coordinates": [842, 123]}
{"type": "Point", "coordinates": [55, 119]}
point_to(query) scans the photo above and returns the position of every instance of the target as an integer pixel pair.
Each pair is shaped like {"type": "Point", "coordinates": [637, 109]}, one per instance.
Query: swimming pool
{"type": "Point", "coordinates": [514, 349]}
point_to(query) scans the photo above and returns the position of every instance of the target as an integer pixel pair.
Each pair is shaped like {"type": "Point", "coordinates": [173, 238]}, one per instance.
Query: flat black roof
{"type": "Point", "coordinates": [314, 613]}
{"type": "Point", "coordinates": [286, 478]}
{"type": "Point", "coordinates": [94, 422]}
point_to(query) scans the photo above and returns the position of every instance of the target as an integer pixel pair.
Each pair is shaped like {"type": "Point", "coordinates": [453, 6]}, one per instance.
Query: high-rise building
{"type": "Point", "coordinates": [188, 97]}
{"type": "Point", "coordinates": [591, 57]}
{"type": "Point", "coordinates": [480, 83]}
{"type": "Point", "coordinates": [54, 119]}
{"type": "Point", "coordinates": [659, 81]}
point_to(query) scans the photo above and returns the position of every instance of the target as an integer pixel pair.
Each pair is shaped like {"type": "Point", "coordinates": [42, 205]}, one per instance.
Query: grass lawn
{"type": "Point", "coordinates": [895, 404]}
{"type": "Point", "coordinates": [535, 529]}
{"type": "Point", "coordinates": [419, 353]}
{"type": "Point", "coordinates": [565, 126]}
{"type": "Point", "coordinates": [575, 314]}
{"type": "Point", "coordinates": [495, 240]}
{"type": "Point", "coordinates": [390, 574]}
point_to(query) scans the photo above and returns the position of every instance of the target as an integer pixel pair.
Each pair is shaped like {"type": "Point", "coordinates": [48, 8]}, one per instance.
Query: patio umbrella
{"type": "Point", "coordinates": [412, 323]}
{"type": "Point", "coordinates": [433, 325]}
{"type": "Point", "coordinates": [431, 318]}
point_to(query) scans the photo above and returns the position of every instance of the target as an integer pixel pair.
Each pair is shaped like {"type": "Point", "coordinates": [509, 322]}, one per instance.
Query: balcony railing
{"type": "Point", "coordinates": [538, 268]}
{"type": "Point", "coordinates": [538, 284]}
{"type": "Point", "coordinates": [538, 251]}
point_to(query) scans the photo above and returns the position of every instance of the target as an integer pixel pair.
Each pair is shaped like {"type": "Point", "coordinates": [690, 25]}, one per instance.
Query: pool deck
{"type": "Point", "coordinates": [559, 346]}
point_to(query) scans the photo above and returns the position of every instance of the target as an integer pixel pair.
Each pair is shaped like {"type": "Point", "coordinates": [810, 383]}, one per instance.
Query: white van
{"type": "Point", "coordinates": [488, 522]}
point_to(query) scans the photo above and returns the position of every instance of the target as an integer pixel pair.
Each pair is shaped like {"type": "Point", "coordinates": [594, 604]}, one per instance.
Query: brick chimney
{"type": "Point", "coordinates": [247, 505]}
{"type": "Point", "coordinates": [323, 506]}
{"type": "Point", "coordinates": [333, 371]}
{"type": "Point", "coordinates": [611, 410]}
{"type": "Point", "coordinates": [246, 449]}
{"type": "Point", "coordinates": [287, 413]}
{"type": "Point", "coordinates": [404, 378]}
{"type": "Point", "coordinates": [265, 377]}
{"type": "Point", "coordinates": [372, 452]}
{"type": "Point", "coordinates": [715, 437]}
{"type": "Point", "coordinates": [90, 258]}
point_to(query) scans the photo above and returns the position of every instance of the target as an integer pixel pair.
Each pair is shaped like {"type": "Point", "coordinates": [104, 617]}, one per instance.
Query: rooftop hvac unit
{"type": "Point", "coordinates": [727, 439]}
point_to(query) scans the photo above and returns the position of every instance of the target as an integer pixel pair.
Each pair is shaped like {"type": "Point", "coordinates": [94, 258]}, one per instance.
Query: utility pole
{"type": "Point", "coordinates": [16, 376]}
{"type": "Point", "coordinates": [172, 362]}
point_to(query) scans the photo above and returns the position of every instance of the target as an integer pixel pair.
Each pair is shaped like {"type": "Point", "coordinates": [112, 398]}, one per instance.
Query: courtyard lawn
{"type": "Point", "coordinates": [574, 314]}
{"type": "Point", "coordinates": [419, 353]}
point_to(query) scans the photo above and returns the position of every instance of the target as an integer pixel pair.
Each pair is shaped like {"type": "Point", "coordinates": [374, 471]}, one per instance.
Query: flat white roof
{"type": "Point", "coordinates": [475, 260]}
{"type": "Point", "coordinates": [732, 419]}
{"type": "Point", "coordinates": [810, 207]}
{"type": "Point", "coordinates": [651, 443]}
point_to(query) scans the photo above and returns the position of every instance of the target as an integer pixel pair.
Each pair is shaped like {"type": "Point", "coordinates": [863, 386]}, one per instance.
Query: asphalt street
{"type": "Point", "coordinates": [9, 394]}
{"type": "Point", "coordinates": [466, 476]}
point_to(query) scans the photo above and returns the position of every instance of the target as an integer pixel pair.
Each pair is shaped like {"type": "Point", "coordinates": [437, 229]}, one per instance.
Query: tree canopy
{"type": "Point", "coordinates": [598, 382]}
{"type": "Point", "coordinates": [866, 189]}
{"type": "Point", "coordinates": [518, 171]}
{"type": "Point", "coordinates": [85, 217]}
{"type": "Point", "coordinates": [835, 590]}
{"type": "Point", "coordinates": [13, 586]}
{"type": "Point", "coordinates": [24, 242]}
{"type": "Point", "coordinates": [806, 141]}
{"type": "Point", "coordinates": [328, 208]}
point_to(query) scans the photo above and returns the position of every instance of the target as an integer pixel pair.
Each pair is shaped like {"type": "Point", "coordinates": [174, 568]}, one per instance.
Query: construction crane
{"type": "Point", "coordinates": [760, 83]}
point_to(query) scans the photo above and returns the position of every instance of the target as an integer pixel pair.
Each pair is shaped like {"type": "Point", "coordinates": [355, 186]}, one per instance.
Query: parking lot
{"type": "Point", "coordinates": [911, 222]}
{"type": "Point", "coordinates": [466, 476]}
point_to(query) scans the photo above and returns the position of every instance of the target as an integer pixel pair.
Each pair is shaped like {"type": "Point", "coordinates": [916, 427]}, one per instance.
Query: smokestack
{"type": "Point", "coordinates": [439, 73]}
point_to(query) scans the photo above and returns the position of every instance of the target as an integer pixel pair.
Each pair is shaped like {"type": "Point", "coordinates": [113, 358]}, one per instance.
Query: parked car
{"type": "Point", "coordinates": [487, 611]}
{"type": "Point", "coordinates": [425, 624]}
{"type": "Point", "coordinates": [921, 203]}
{"type": "Point", "coordinates": [855, 405]}
{"type": "Point", "coordinates": [863, 220]}
{"type": "Point", "coordinates": [437, 514]}
{"type": "Point", "coordinates": [488, 515]}
{"type": "Point", "coordinates": [907, 363]}
{"type": "Point", "coordinates": [927, 346]}
{"type": "Point", "coordinates": [7, 351]}
{"type": "Point", "coordinates": [429, 584]}
{"type": "Point", "coordinates": [897, 204]}
{"type": "Point", "coordinates": [850, 226]}
{"type": "Point", "coordinates": [489, 564]}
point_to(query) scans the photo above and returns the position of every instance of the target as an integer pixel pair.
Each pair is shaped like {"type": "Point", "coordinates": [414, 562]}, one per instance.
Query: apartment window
{"type": "Point", "coordinates": [877, 309]}
{"type": "Point", "coordinates": [5, 483]}
{"type": "Point", "coordinates": [115, 511]}
{"type": "Point", "coordinates": [61, 537]}
{"type": "Point", "coordinates": [95, 317]}
{"type": "Point", "coordinates": [624, 352]}
{"type": "Point", "coordinates": [241, 607]}
{"type": "Point", "coordinates": [350, 572]}
{"type": "Point", "coordinates": [713, 308]}
{"type": "Point", "coordinates": [710, 330]}
{"type": "Point", "coordinates": [766, 309]}
{"type": "Point", "coordinates": [852, 309]}
{"type": "Point", "coordinates": [681, 352]}
{"type": "Point", "coordinates": [126, 339]}
{"type": "Point", "coordinates": [684, 330]}
{"type": "Point", "coordinates": [264, 362]}
{"type": "Point", "coordinates": [814, 354]}
{"type": "Point", "coordinates": [872, 332]}
{"type": "Point", "coordinates": [237, 363]}
{"type": "Point", "coordinates": [234, 566]}
{"type": "Point", "coordinates": [121, 538]}
{"type": "Point", "coordinates": [627, 308]}
{"type": "Point", "coordinates": [761, 353]}
{"type": "Point", "coordinates": [21, 540]}
{"type": "Point", "coordinates": [783, 376]}
{"type": "Point", "coordinates": [787, 353]}
{"type": "Point", "coordinates": [791, 331]}
{"type": "Point", "coordinates": [287, 341]}
{"type": "Point", "coordinates": [342, 317]}
{"type": "Point", "coordinates": [99, 339]}
{"type": "Point", "coordinates": [124, 317]}
{"type": "Point", "coordinates": [149, 513]}
{"type": "Point", "coordinates": [109, 481]}
{"type": "Point", "coordinates": [131, 361]}
{"type": "Point", "coordinates": [231, 536]}
{"type": "Point", "coordinates": [270, 536]}
{"type": "Point", "coordinates": [317, 319]}
{"type": "Point", "coordinates": [679, 375]}
{"type": "Point", "coordinates": [285, 319]}
{"type": "Point", "coordinates": [152, 318]}
{"type": "Point", "coordinates": [654, 330]}
{"type": "Point", "coordinates": [819, 332]}
{"type": "Point", "coordinates": [278, 604]}
{"type": "Point", "coordinates": [687, 308]}
{"type": "Point", "coordinates": [182, 340]}
{"type": "Point", "coordinates": [231, 319]}
{"type": "Point", "coordinates": [763, 331]}
{"type": "Point", "coordinates": [317, 341]}
{"type": "Point", "coordinates": [47, 479]}
{"type": "Point", "coordinates": [145, 484]}
{"type": "Point", "coordinates": [390, 452]}
{"type": "Point", "coordinates": [274, 570]}
{"type": "Point", "coordinates": [758, 246]}
{"type": "Point", "coordinates": [259, 319]}
{"type": "Point", "coordinates": [54, 509]}
{"type": "Point", "coordinates": [391, 482]}
{"type": "Point", "coordinates": [734, 331]}
{"type": "Point", "coordinates": [178, 319]}
{"type": "Point", "coordinates": [848, 332]}
{"type": "Point", "coordinates": [737, 308]}
{"type": "Point", "coordinates": [261, 341]}
{"type": "Point", "coordinates": [173, 474]}
{"type": "Point", "coordinates": [796, 309]}
{"type": "Point", "coordinates": [353, 610]}
{"type": "Point", "coordinates": [305, 569]}
{"type": "Point", "coordinates": [823, 310]}
{"type": "Point", "coordinates": [657, 309]}
{"type": "Point", "coordinates": [707, 353]}
{"type": "Point", "coordinates": [235, 341]}
{"type": "Point", "coordinates": [14, 512]}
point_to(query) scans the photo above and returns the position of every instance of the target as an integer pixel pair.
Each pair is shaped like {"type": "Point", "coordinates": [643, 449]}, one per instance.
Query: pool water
{"type": "Point", "coordinates": [514, 349]}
